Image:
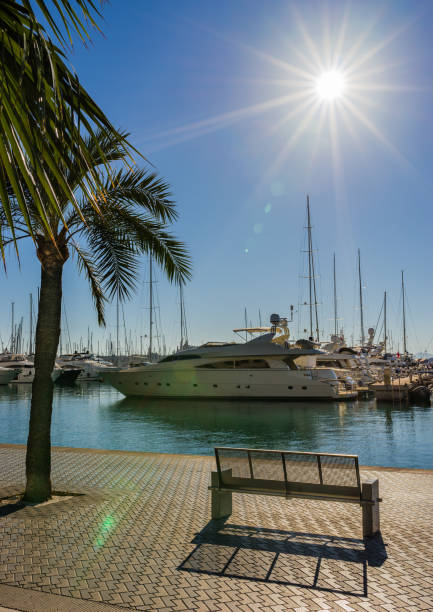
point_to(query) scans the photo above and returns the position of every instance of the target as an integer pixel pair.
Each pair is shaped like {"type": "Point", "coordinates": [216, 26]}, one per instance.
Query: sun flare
{"type": "Point", "coordinates": [330, 85]}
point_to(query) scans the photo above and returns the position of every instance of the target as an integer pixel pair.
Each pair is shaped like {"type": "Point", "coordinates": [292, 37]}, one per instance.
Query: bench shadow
{"type": "Point", "coordinates": [306, 560]}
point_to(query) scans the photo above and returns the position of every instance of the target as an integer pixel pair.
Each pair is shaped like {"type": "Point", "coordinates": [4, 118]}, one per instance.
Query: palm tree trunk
{"type": "Point", "coordinates": [38, 459]}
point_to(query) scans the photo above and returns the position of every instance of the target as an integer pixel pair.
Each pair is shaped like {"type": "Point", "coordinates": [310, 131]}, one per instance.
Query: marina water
{"type": "Point", "coordinates": [94, 415]}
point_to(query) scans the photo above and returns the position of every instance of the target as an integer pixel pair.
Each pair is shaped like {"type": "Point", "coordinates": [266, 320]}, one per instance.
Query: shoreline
{"type": "Point", "coordinates": [74, 449]}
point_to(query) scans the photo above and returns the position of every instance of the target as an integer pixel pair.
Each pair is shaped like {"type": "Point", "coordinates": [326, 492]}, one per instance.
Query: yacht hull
{"type": "Point", "coordinates": [227, 384]}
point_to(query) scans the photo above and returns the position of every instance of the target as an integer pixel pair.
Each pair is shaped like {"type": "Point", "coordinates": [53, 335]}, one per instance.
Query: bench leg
{"type": "Point", "coordinates": [221, 501]}
{"type": "Point", "coordinates": [370, 512]}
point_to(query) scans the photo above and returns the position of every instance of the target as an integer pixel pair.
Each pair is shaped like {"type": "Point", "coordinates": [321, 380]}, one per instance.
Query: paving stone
{"type": "Point", "coordinates": [135, 534]}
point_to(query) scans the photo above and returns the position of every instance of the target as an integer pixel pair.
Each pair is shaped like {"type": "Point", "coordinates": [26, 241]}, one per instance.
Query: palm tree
{"type": "Point", "coordinates": [108, 246]}
{"type": "Point", "coordinates": [44, 111]}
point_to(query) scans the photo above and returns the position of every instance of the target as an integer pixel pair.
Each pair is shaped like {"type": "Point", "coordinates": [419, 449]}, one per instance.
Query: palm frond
{"type": "Point", "coordinates": [86, 265]}
{"type": "Point", "coordinates": [69, 17]}
{"type": "Point", "coordinates": [118, 240]}
{"type": "Point", "coordinates": [115, 258]}
{"type": "Point", "coordinates": [45, 112]}
{"type": "Point", "coordinates": [133, 189]}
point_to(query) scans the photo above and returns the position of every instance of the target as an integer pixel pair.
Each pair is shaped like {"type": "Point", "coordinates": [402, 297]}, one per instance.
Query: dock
{"type": "Point", "coordinates": [405, 389]}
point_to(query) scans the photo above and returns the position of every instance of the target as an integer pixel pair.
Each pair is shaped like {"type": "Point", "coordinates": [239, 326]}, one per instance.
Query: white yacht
{"type": "Point", "coordinates": [91, 367]}
{"type": "Point", "coordinates": [23, 368]}
{"type": "Point", "coordinates": [349, 367]}
{"type": "Point", "coordinates": [264, 367]}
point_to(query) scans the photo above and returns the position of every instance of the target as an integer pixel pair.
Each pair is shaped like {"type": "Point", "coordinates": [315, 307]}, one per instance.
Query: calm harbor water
{"type": "Point", "coordinates": [93, 415]}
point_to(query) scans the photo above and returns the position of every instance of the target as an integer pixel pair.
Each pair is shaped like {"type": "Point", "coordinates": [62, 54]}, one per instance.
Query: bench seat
{"type": "Point", "coordinates": [292, 474]}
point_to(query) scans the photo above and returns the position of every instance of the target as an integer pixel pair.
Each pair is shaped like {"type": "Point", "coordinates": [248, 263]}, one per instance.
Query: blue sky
{"type": "Point", "coordinates": [220, 97]}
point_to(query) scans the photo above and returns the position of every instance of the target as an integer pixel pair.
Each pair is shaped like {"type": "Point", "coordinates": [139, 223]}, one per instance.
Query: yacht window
{"type": "Point", "coordinates": [251, 364]}
{"type": "Point", "coordinates": [179, 358]}
{"type": "Point", "coordinates": [218, 365]}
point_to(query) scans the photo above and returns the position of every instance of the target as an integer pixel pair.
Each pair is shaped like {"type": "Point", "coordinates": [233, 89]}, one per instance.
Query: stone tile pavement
{"type": "Point", "coordinates": [135, 534]}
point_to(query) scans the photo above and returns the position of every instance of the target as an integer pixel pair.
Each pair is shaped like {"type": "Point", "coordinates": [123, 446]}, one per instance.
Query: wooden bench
{"type": "Point", "coordinates": [293, 474]}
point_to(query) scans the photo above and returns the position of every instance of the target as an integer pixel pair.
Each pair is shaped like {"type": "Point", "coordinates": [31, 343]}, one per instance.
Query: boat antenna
{"type": "Point", "coordinates": [360, 299]}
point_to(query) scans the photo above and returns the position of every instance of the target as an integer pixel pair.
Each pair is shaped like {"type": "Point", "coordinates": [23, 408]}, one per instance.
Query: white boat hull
{"type": "Point", "coordinates": [230, 383]}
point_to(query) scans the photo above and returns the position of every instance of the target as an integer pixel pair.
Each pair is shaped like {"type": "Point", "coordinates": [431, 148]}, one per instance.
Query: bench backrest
{"type": "Point", "coordinates": [288, 472]}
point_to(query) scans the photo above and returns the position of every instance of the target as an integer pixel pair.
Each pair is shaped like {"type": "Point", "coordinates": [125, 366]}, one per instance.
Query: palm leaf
{"type": "Point", "coordinates": [86, 265]}
{"type": "Point", "coordinates": [45, 111]}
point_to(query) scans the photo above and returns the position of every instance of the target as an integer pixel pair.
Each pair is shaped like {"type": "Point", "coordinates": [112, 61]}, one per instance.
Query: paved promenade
{"type": "Point", "coordinates": [134, 534]}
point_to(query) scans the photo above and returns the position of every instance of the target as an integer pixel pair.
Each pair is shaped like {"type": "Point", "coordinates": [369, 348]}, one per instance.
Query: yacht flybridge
{"type": "Point", "coordinates": [265, 367]}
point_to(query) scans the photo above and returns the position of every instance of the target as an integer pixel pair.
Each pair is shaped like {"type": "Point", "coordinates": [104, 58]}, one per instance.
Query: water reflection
{"type": "Point", "coordinates": [256, 423]}
{"type": "Point", "coordinates": [92, 415]}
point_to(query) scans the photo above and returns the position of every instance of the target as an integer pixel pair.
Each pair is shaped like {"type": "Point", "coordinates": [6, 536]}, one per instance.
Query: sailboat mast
{"type": "Point", "coordinates": [117, 327]}
{"type": "Point", "coordinates": [13, 329]}
{"type": "Point", "coordinates": [384, 323]}
{"type": "Point", "coordinates": [150, 308]}
{"type": "Point", "coordinates": [310, 277]}
{"type": "Point", "coordinates": [246, 323]}
{"type": "Point", "coordinates": [404, 315]}
{"type": "Point", "coordinates": [360, 299]}
{"type": "Point", "coordinates": [31, 326]}
{"type": "Point", "coordinates": [335, 301]}
{"type": "Point", "coordinates": [181, 316]}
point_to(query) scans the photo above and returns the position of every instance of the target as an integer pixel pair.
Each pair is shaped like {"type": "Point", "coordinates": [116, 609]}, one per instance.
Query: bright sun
{"type": "Point", "coordinates": [330, 85]}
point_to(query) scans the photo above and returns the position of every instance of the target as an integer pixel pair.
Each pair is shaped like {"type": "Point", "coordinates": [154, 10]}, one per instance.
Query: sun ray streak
{"type": "Point", "coordinates": [326, 36]}
{"type": "Point", "coordinates": [304, 105]}
{"type": "Point", "coordinates": [312, 67]}
{"type": "Point", "coordinates": [341, 37]}
{"type": "Point", "coordinates": [317, 139]}
{"type": "Point", "coordinates": [381, 45]}
{"type": "Point", "coordinates": [377, 70]}
{"type": "Point", "coordinates": [218, 121]}
{"type": "Point", "coordinates": [376, 132]}
{"type": "Point", "coordinates": [335, 150]}
{"type": "Point", "coordinates": [351, 53]}
{"type": "Point", "coordinates": [308, 40]}
{"type": "Point", "coordinates": [386, 87]}
{"type": "Point", "coordinates": [344, 114]}
{"type": "Point", "coordinates": [275, 61]}
{"type": "Point", "coordinates": [292, 141]}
